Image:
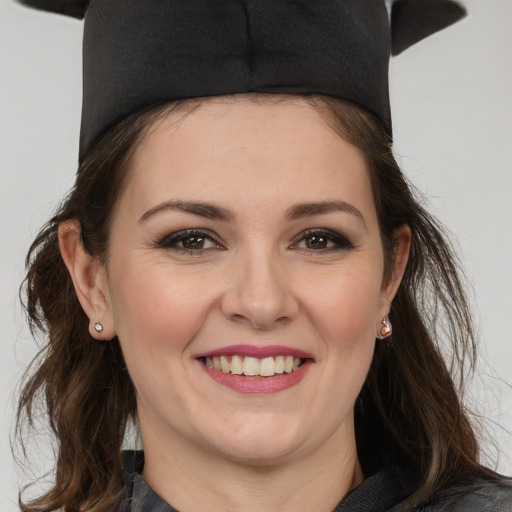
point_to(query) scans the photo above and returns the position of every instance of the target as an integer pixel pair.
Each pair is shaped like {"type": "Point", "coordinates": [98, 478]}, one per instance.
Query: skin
{"type": "Point", "coordinates": [258, 280]}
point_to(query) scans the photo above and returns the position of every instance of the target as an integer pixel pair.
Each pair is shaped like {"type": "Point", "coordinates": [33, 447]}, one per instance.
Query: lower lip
{"type": "Point", "coordinates": [259, 385]}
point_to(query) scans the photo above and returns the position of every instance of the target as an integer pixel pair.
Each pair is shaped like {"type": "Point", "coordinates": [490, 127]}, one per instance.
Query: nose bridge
{"type": "Point", "coordinates": [260, 289]}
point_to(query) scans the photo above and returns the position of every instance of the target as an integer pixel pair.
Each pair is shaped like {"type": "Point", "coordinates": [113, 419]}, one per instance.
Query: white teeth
{"type": "Point", "coordinates": [237, 365]}
{"type": "Point", "coordinates": [252, 366]}
{"type": "Point", "coordinates": [224, 364]}
{"type": "Point", "coordinates": [288, 364]}
{"type": "Point", "coordinates": [267, 367]}
{"type": "Point", "coordinates": [279, 364]}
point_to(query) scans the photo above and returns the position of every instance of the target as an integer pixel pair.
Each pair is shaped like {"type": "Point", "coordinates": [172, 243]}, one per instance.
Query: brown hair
{"type": "Point", "coordinates": [409, 409]}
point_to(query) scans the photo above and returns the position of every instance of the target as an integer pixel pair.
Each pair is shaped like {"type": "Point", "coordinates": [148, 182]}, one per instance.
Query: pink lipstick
{"type": "Point", "coordinates": [252, 369]}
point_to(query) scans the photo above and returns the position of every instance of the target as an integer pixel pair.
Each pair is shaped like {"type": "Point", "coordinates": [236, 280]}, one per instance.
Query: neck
{"type": "Point", "coordinates": [191, 479]}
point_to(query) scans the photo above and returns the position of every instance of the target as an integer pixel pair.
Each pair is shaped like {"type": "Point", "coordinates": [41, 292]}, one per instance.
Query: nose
{"type": "Point", "coordinates": [260, 291]}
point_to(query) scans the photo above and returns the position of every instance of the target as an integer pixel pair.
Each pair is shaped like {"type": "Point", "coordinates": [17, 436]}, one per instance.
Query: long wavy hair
{"type": "Point", "coordinates": [410, 409]}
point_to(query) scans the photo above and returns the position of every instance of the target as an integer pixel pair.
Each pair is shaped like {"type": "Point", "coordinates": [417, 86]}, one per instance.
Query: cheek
{"type": "Point", "coordinates": [346, 309]}
{"type": "Point", "coordinates": [345, 317]}
{"type": "Point", "coordinates": [155, 311]}
{"type": "Point", "coordinates": [157, 315]}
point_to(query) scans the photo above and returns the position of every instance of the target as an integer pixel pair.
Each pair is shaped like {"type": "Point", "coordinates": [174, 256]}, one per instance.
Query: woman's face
{"type": "Point", "coordinates": [247, 239]}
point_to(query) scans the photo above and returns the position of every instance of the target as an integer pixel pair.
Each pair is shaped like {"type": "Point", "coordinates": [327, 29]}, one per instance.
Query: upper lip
{"type": "Point", "coordinates": [259, 352]}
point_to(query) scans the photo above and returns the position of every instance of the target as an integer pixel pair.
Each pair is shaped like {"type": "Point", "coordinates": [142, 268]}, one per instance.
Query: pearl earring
{"type": "Point", "coordinates": [386, 329]}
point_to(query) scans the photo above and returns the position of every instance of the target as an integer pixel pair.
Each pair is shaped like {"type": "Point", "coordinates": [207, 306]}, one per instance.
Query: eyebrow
{"type": "Point", "coordinates": [211, 211]}
{"type": "Point", "coordinates": [302, 210]}
{"type": "Point", "coordinates": [205, 210]}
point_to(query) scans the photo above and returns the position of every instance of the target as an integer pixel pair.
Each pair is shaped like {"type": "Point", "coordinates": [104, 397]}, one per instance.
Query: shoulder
{"type": "Point", "coordinates": [477, 494]}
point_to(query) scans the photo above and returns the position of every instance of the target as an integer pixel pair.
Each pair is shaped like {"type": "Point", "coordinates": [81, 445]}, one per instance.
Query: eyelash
{"type": "Point", "coordinates": [339, 242]}
{"type": "Point", "coordinates": [171, 241]}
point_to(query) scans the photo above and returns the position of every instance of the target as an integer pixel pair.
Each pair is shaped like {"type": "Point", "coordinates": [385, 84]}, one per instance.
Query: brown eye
{"type": "Point", "coordinates": [322, 240]}
{"type": "Point", "coordinates": [190, 242]}
{"type": "Point", "coordinates": [193, 242]}
{"type": "Point", "coordinates": [316, 242]}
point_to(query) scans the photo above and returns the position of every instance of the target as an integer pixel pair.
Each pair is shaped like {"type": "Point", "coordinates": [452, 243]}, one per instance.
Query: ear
{"type": "Point", "coordinates": [401, 247]}
{"type": "Point", "coordinates": [89, 279]}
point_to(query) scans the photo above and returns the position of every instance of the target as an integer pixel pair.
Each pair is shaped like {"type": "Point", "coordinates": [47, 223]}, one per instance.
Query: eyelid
{"type": "Point", "coordinates": [341, 241]}
{"type": "Point", "coordinates": [172, 239]}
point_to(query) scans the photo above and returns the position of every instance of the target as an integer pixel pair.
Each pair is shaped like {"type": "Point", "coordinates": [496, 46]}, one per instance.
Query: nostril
{"type": "Point", "coordinates": [260, 301]}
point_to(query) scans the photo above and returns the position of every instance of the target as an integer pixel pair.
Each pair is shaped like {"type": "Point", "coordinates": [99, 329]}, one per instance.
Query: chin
{"type": "Point", "coordinates": [263, 457]}
{"type": "Point", "coordinates": [260, 446]}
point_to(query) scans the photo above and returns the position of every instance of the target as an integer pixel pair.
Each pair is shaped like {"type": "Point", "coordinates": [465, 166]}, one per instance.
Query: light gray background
{"type": "Point", "coordinates": [452, 101]}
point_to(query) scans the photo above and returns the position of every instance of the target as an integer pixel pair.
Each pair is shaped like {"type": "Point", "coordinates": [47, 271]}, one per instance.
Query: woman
{"type": "Point", "coordinates": [228, 269]}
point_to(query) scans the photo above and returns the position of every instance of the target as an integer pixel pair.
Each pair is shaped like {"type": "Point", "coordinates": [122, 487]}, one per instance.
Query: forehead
{"type": "Point", "coordinates": [249, 150]}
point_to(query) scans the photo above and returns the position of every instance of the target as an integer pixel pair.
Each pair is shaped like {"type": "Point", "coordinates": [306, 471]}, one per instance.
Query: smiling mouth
{"type": "Point", "coordinates": [252, 366]}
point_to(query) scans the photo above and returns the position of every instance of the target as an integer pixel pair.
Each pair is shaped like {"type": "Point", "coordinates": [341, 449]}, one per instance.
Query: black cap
{"type": "Point", "coordinates": [139, 53]}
